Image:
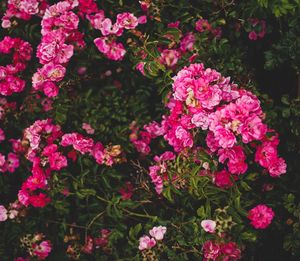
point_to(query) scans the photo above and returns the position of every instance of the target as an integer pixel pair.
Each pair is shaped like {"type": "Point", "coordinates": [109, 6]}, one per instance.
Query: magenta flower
{"type": "Point", "coordinates": [158, 232]}
{"type": "Point", "coordinates": [261, 216]}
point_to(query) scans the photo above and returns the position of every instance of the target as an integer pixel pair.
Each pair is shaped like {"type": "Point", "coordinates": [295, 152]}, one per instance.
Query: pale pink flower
{"type": "Point", "coordinates": [158, 232]}
{"type": "Point", "coordinates": [208, 225]}
{"type": "Point", "coordinates": [88, 128]}
{"type": "Point", "coordinates": [3, 213]}
{"type": "Point", "coordinates": [146, 242]}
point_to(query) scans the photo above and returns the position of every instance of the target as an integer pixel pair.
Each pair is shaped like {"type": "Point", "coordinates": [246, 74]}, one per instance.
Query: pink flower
{"type": "Point", "coordinates": [145, 5]}
{"type": "Point", "coordinates": [224, 137]}
{"type": "Point", "coordinates": [156, 179]}
{"type": "Point", "coordinates": [169, 57]}
{"type": "Point", "coordinates": [50, 89]}
{"type": "Point", "coordinates": [39, 201]}
{"type": "Point", "coordinates": [79, 143]}
{"type": "Point", "coordinates": [266, 154]}
{"type": "Point", "coordinates": [141, 147]}
{"type": "Point", "coordinates": [203, 25]}
{"type": "Point", "coordinates": [230, 251]}
{"type": "Point", "coordinates": [277, 167]}
{"type": "Point", "coordinates": [127, 20]}
{"type": "Point", "coordinates": [96, 19]}
{"type": "Point", "coordinates": [167, 155]}
{"type": "Point", "coordinates": [2, 135]}
{"type": "Point", "coordinates": [252, 129]}
{"type": "Point", "coordinates": [236, 159]}
{"type": "Point", "coordinates": [187, 42]}
{"type": "Point", "coordinates": [3, 213]}
{"type": "Point", "coordinates": [252, 36]}
{"type": "Point", "coordinates": [140, 67]}
{"type": "Point", "coordinates": [29, 6]}
{"type": "Point", "coordinates": [12, 162]}
{"type": "Point", "coordinates": [88, 246]}
{"type": "Point", "coordinates": [88, 128]}
{"type": "Point", "coordinates": [211, 250]}
{"type": "Point", "coordinates": [174, 24]}
{"type": "Point", "coordinates": [261, 216]}
{"type": "Point", "coordinates": [222, 179]}
{"type": "Point", "coordinates": [142, 19]}
{"type": "Point", "coordinates": [53, 72]}
{"type": "Point", "coordinates": [57, 161]}
{"type": "Point", "coordinates": [42, 250]}
{"type": "Point", "coordinates": [158, 232]}
{"type": "Point", "coordinates": [23, 197]}
{"type": "Point", "coordinates": [2, 162]}
{"type": "Point", "coordinates": [126, 191]}
{"type": "Point", "coordinates": [201, 120]}
{"type": "Point", "coordinates": [54, 52]}
{"type": "Point", "coordinates": [146, 242]}
{"type": "Point", "coordinates": [208, 225]}
{"type": "Point", "coordinates": [110, 48]}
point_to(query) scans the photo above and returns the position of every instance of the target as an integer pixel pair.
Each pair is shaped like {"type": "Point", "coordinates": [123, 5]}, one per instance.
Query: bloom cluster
{"type": "Point", "coordinates": [22, 9]}
{"type": "Point", "coordinates": [44, 142]}
{"type": "Point", "coordinates": [59, 36]}
{"type": "Point", "coordinates": [97, 242]}
{"type": "Point", "coordinates": [231, 119]}
{"type": "Point", "coordinates": [13, 211]}
{"type": "Point", "coordinates": [202, 25]}
{"type": "Point", "coordinates": [10, 162]}
{"type": "Point", "coordinates": [36, 246]}
{"type": "Point", "coordinates": [258, 29]}
{"type": "Point", "coordinates": [158, 172]}
{"type": "Point", "coordinates": [21, 52]}
{"type": "Point", "coordinates": [220, 251]}
{"type": "Point", "coordinates": [156, 233]}
{"type": "Point", "coordinates": [107, 43]}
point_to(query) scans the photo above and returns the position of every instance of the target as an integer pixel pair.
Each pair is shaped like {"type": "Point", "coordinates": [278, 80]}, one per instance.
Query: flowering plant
{"type": "Point", "coordinates": [143, 124]}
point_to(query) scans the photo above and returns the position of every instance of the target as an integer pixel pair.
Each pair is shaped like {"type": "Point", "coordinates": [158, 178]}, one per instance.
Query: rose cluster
{"type": "Point", "coordinates": [220, 251]}
{"type": "Point", "coordinates": [156, 233]}
{"type": "Point", "coordinates": [36, 246]}
{"type": "Point", "coordinates": [21, 52]}
{"type": "Point", "coordinates": [44, 143]}
{"type": "Point", "coordinates": [60, 36]}
{"type": "Point", "coordinates": [107, 44]}
{"type": "Point", "coordinates": [22, 9]}
{"type": "Point", "coordinates": [231, 120]}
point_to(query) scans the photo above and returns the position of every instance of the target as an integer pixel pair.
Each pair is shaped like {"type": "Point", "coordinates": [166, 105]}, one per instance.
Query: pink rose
{"type": "Point", "coordinates": [3, 213]}
{"type": "Point", "coordinates": [146, 242]}
{"type": "Point", "coordinates": [208, 225]}
{"type": "Point", "coordinates": [261, 216]}
{"type": "Point", "coordinates": [158, 232]}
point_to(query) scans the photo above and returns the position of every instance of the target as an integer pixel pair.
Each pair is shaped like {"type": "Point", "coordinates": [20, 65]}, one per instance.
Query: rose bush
{"type": "Point", "coordinates": [149, 130]}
